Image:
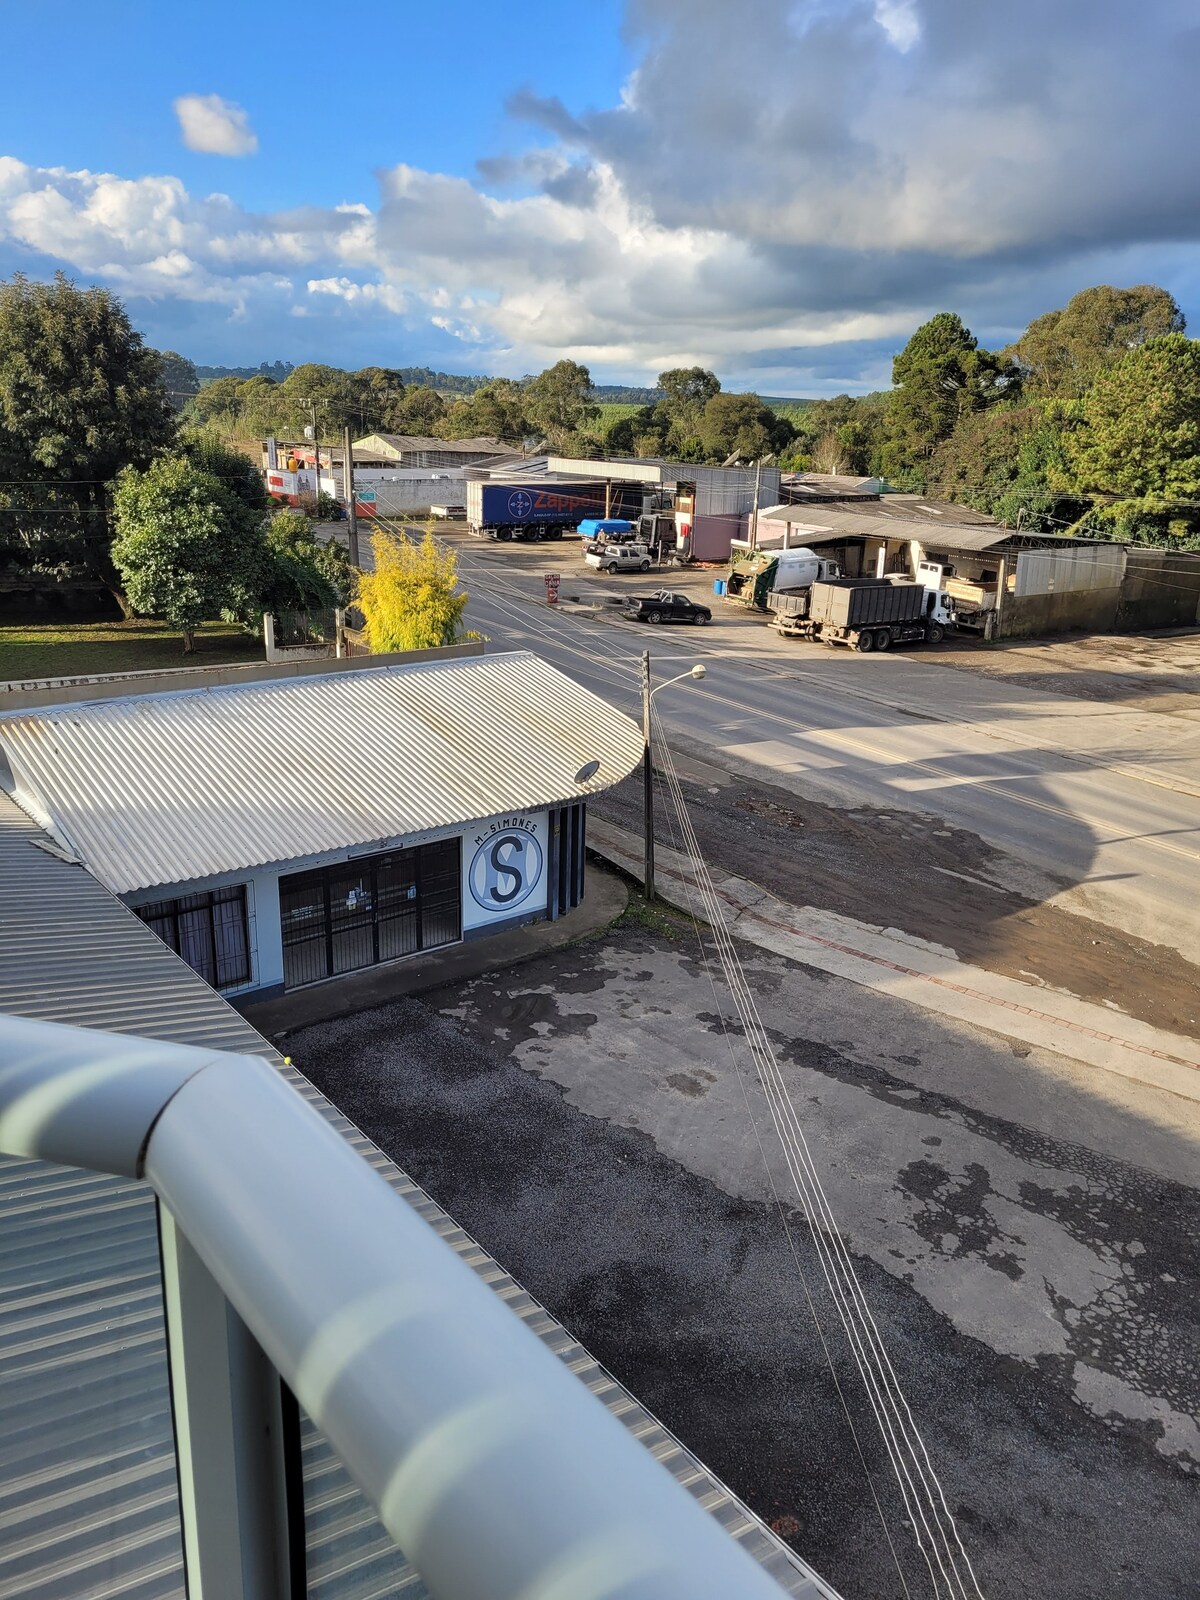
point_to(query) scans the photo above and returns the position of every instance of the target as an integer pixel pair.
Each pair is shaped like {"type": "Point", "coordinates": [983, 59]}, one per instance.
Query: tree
{"type": "Point", "coordinates": [499, 410]}
{"type": "Point", "coordinates": [845, 433]}
{"type": "Point", "coordinates": [411, 600]}
{"type": "Point", "coordinates": [187, 547]}
{"type": "Point", "coordinates": [235, 469]}
{"type": "Point", "coordinates": [686, 392]}
{"type": "Point", "coordinates": [421, 412]}
{"type": "Point", "coordinates": [179, 377]}
{"type": "Point", "coordinates": [1137, 450]}
{"type": "Point", "coordinates": [81, 398]}
{"type": "Point", "coordinates": [560, 400]}
{"type": "Point", "coordinates": [940, 375]}
{"type": "Point", "coordinates": [1008, 461]}
{"type": "Point", "coordinates": [1061, 353]}
{"type": "Point", "coordinates": [741, 425]}
{"type": "Point", "coordinates": [300, 572]}
{"type": "Point", "coordinates": [217, 405]}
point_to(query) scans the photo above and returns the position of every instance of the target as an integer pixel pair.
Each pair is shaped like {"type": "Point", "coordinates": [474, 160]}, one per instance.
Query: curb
{"type": "Point", "coordinates": [921, 974]}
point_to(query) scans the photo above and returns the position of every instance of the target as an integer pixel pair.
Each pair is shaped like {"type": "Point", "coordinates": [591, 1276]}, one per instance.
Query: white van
{"type": "Point", "coordinates": [619, 557]}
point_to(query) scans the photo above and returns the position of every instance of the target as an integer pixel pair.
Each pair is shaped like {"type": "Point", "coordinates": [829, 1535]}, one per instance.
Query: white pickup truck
{"type": "Point", "coordinates": [619, 557]}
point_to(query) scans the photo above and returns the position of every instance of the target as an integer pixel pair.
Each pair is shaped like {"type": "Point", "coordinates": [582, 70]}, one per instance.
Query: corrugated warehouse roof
{"type": "Point", "coordinates": [165, 788]}
{"type": "Point", "coordinates": [88, 1497]}
{"type": "Point", "coordinates": [411, 443]}
{"type": "Point", "coordinates": [895, 517]}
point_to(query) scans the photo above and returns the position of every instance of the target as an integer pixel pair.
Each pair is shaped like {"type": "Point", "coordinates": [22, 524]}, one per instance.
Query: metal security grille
{"type": "Point", "coordinates": [209, 931]}
{"type": "Point", "coordinates": [378, 908]}
{"type": "Point", "coordinates": [305, 627]}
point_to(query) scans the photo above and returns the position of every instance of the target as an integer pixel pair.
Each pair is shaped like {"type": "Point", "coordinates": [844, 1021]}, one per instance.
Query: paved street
{"type": "Point", "coordinates": [1028, 1245]}
{"type": "Point", "coordinates": [1094, 809]}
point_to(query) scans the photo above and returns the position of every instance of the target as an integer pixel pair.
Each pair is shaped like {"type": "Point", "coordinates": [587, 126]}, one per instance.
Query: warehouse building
{"type": "Point", "coordinates": [276, 834]}
{"type": "Point", "coordinates": [1006, 582]}
{"type": "Point", "coordinates": [710, 507]}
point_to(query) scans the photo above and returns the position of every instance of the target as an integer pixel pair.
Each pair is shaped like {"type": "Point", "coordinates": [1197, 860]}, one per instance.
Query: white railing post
{"type": "Point", "coordinates": [243, 1531]}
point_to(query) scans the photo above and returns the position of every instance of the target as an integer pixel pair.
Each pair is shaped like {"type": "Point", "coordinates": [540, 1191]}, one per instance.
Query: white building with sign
{"type": "Point", "coordinates": [281, 833]}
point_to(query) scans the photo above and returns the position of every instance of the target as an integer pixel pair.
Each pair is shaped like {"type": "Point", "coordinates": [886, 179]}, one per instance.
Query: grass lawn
{"type": "Point", "coordinates": [71, 650]}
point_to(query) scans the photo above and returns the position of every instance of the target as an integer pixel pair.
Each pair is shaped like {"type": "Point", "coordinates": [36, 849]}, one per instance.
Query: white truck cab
{"type": "Point", "coordinates": [939, 606]}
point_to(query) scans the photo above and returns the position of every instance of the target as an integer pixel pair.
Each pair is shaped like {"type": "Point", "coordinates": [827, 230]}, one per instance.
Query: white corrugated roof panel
{"type": "Point", "coordinates": [165, 788]}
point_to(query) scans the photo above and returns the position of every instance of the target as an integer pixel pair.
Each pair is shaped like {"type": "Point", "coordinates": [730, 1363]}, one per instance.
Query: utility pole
{"type": "Point", "coordinates": [348, 491]}
{"type": "Point", "coordinates": [754, 513]}
{"type": "Point", "coordinates": [647, 781]}
{"type": "Point", "coordinates": [698, 671]}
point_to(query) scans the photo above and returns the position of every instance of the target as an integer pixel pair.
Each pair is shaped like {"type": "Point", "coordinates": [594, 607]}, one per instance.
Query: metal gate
{"type": "Point", "coordinates": [378, 908]}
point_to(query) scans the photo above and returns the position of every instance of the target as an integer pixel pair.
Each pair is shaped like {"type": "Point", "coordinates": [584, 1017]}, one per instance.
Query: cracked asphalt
{"type": "Point", "coordinates": [1027, 1235]}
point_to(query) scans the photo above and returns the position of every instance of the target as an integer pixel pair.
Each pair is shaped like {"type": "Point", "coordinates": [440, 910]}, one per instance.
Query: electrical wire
{"type": "Point", "coordinates": [781, 1211]}
{"type": "Point", "coordinates": [928, 1514]}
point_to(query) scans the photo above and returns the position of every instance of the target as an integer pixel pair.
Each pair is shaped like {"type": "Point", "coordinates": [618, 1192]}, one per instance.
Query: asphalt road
{"type": "Point", "coordinates": [1028, 1248]}
{"type": "Point", "coordinates": [1095, 808]}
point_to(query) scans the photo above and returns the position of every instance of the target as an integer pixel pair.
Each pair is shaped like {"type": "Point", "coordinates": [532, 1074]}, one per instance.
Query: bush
{"type": "Point", "coordinates": [411, 601]}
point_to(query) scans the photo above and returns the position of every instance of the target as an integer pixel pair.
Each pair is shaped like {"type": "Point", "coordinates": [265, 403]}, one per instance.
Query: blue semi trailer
{"type": "Point", "coordinates": [547, 510]}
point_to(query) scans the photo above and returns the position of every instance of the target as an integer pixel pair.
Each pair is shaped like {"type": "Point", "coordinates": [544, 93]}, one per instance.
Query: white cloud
{"type": "Point", "coordinates": [214, 126]}
{"type": "Point", "coordinates": [899, 20]}
{"type": "Point", "coordinates": [788, 197]}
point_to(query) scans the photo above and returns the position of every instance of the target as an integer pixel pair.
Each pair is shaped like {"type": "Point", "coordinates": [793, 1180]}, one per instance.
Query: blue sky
{"type": "Point", "coordinates": [780, 189]}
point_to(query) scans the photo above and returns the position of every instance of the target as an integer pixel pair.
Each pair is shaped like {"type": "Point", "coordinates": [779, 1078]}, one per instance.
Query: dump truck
{"type": "Point", "coordinates": [756, 578]}
{"type": "Point", "coordinates": [865, 613]}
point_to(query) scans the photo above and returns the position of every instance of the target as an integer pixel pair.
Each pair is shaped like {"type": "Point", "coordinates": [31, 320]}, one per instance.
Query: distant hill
{"type": "Point", "coordinates": [277, 370]}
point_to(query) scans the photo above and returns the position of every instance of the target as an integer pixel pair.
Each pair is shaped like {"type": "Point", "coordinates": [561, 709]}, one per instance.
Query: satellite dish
{"type": "Point", "coordinates": [588, 770]}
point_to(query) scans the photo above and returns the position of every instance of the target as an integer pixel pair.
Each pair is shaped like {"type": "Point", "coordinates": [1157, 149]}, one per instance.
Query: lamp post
{"type": "Point", "coordinates": [698, 671]}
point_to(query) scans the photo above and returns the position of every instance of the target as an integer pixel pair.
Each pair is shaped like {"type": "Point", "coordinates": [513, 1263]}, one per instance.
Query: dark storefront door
{"type": "Point", "coordinates": [378, 908]}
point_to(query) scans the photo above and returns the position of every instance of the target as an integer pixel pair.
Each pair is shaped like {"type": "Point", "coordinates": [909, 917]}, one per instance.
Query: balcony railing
{"type": "Point", "coordinates": [293, 1273]}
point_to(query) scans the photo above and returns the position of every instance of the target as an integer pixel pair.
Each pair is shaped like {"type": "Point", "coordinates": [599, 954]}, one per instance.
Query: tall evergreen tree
{"type": "Point", "coordinates": [81, 398]}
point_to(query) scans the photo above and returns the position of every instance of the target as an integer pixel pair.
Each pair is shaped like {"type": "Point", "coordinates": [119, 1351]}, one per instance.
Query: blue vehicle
{"type": "Point", "coordinates": [529, 509]}
{"type": "Point", "coordinates": [615, 529]}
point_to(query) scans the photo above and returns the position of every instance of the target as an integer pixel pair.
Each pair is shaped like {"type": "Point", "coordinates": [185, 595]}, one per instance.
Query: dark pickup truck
{"type": "Point", "coordinates": [664, 605]}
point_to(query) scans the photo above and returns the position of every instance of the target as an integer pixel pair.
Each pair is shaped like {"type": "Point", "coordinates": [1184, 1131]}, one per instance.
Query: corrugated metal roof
{"type": "Point", "coordinates": [164, 788]}
{"type": "Point", "coordinates": [406, 443]}
{"type": "Point", "coordinates": [892, 518]}
{"type": "Point", "coordinates": [88, 1501]}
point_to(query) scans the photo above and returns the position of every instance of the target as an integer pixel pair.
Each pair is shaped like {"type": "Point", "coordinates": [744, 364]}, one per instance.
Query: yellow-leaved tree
{"type": "Point", "coordinates": [411, 601]}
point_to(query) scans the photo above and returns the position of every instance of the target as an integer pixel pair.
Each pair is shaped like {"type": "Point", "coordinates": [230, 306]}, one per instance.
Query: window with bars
{"type": "Point", "coordinates": [210, 931]}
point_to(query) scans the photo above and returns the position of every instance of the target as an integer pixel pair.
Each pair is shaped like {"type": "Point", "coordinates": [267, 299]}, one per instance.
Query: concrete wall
{"type": "Point", "coordinates": [1161, 590]}
{"type": "Point", "coordinates": [1089, 610]}
{"type": "Point", "coordinates": [64, 691]}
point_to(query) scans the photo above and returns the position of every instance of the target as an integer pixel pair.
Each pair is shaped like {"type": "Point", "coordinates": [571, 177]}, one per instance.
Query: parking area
{"type": "Point", "coordinates": [1027, 1246]}
{"type": "Point", "coordinates": [1145, 672]}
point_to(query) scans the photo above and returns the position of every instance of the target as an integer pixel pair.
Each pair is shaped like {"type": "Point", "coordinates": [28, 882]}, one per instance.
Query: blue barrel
{"type": "Point", "coordinates": [718, 585]}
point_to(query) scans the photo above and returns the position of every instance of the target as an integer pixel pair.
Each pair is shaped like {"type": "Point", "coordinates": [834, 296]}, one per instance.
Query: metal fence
{"type": "Point", "coordinates": [305, 627]}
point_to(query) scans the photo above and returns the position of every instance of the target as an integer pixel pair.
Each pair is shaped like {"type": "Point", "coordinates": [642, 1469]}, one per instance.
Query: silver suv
{"type": "Point", "coordinates": [619, 557]}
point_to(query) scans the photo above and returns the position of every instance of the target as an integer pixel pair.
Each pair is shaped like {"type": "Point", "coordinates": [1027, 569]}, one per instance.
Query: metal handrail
{"type": "Point", "coordinates": [495, 1470]}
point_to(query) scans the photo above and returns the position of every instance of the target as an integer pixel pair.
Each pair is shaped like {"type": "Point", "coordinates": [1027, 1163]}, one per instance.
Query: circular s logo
{"type": "Point", "coordinates": [520, 504]}
{"type": "Point", "coordinates": [505, 871]}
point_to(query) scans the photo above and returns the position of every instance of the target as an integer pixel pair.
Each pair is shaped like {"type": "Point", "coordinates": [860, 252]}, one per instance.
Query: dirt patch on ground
{"type": "Point", "coordinates": [1140, 671]}
{"type": "Point", "coordinates": [920, 874]}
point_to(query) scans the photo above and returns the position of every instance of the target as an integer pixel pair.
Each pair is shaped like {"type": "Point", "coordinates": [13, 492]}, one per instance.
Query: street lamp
{"type": "Point", "coordinates": [698, 671]}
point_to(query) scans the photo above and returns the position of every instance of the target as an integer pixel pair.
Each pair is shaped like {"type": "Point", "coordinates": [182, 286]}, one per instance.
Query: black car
{"type": "Point", "coordinates": [664, 605]}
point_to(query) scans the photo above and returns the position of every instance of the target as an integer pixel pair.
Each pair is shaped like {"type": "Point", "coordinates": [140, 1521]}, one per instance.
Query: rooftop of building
{"type": "Point", "coordinates": [171, 787]}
